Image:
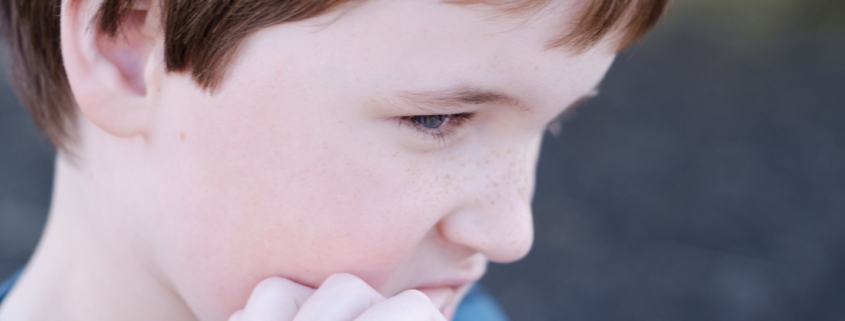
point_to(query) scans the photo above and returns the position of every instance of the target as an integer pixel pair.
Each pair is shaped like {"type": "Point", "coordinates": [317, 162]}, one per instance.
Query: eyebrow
{"type": "Point", "coordinates": [436, 101]}
{"type": "Point", "coordinates": [444, 100]}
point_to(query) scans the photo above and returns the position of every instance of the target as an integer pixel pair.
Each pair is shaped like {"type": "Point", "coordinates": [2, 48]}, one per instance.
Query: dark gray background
{"type": "Point", "coordinates": [707, 182]}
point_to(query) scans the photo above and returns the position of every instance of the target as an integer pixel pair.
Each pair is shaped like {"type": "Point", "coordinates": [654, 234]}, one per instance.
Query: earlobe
{"type": "Point", "coordinates": [112, 77]}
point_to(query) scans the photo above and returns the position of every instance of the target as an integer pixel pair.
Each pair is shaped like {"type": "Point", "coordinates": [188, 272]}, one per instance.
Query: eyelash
{"type": "Point", "coordinates": [443, 133]}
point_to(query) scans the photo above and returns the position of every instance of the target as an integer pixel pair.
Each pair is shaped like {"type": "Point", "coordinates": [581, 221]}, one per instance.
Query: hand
{"type": "Point", "coordinates": [341, 297]}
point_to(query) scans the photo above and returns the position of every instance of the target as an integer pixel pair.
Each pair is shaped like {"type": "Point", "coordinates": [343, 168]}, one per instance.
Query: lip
{"type": "Point", "coordinates": [450, 283]}
{"type": "Point", "coordinates": [445, 294]}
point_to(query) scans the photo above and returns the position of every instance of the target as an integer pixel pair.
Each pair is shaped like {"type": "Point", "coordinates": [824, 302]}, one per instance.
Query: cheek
{"type": "Point", "coordinates": [256, 190]}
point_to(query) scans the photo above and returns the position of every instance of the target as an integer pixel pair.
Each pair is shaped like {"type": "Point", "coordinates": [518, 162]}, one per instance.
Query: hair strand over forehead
{"type": "Point", "coordinates": [601, 17]}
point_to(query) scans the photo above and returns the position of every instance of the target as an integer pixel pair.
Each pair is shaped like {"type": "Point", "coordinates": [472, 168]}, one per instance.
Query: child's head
{"type": "Point", "coordinates": [395, 140]}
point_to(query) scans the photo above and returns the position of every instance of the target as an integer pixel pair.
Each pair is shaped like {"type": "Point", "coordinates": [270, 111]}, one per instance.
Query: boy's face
{"type": "Point", "coordinates": [308, 160]}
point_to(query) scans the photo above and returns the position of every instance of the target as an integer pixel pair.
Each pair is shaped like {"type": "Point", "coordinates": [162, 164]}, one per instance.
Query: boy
{"type": "Point", "coordinates": [281, 160]}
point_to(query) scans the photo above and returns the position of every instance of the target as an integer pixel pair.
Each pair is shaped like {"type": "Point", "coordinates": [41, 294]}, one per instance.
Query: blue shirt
{"type": "Point", "coordinates": [6, 286]}
{"type": "Point", "coordinates": [477, 306]}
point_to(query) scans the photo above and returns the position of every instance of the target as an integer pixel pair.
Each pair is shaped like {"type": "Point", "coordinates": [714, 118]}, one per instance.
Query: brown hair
{"type": "Point", "coordinates": [201, 37]}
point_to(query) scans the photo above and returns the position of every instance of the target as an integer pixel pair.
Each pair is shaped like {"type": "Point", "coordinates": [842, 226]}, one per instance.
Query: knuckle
{"type": "Point", "coordinates": [272, 286]}
{"type": "Point", "coordinates": [415, 297]}
{"type": "Point", "coordinates": [421, 305]}
{"type": "Point", "coordinates": [345, 281]}
{"type": "Point", "coordinates": [341, 278]}
{"type": "Point", "coordinates": [237, 316]}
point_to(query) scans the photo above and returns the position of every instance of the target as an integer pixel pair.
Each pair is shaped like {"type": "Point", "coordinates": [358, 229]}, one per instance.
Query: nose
{"type": "Point", "coordinates": [497, 218]}
{"type": "Point", "coordinates": [503, 235]}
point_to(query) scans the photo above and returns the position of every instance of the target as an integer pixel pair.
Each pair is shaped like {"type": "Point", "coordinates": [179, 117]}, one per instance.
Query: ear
{"type": "Point", "coordinates": [114, 79]}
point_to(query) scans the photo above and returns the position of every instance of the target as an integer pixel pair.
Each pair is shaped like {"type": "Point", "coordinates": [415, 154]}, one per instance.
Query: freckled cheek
{"type": "Point", "coordinates": [310, 219]}
{"type": "Point", "coordinates": [372, 211]}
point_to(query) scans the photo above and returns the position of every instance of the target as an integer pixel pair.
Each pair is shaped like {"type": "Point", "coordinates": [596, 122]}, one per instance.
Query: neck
{"type": "Point", "coordinates": [87, 267]}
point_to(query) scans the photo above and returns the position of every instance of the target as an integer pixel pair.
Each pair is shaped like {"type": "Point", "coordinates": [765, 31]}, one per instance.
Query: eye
{"type": "Point", "coordinates": [431, 121]}
{"type": "Point", "coordinates": [441, 128]}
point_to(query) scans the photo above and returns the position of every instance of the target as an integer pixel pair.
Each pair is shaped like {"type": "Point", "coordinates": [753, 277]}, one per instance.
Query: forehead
{"type": "Point", "coordinates": [426, 46]}
{"type": "Point", "coordinates": [562, 19]}
{"type": "Point", "coordinates": [482, 28]}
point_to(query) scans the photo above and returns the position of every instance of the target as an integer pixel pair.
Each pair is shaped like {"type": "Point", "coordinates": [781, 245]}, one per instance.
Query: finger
{"type": "Point", "coordinates": [237, 316]}
{"type": "Point", "coordinates": [411, 305]}
{"type": "Point", "coordinates": [340, 297]}
{"type": "Point", "coordinates": [275, 299]}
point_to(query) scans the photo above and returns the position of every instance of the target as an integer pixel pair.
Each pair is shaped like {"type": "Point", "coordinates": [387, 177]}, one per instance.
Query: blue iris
{"type": "Point", "coordinates": [431, 121]}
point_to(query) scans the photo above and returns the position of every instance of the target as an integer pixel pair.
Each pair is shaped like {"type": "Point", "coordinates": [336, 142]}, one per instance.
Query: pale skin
{"type": "Point", "coordinates": [305, 187]}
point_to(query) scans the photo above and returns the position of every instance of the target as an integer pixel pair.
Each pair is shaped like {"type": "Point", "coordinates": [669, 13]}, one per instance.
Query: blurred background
{"type": "Point", "coordinates": [706, 182]}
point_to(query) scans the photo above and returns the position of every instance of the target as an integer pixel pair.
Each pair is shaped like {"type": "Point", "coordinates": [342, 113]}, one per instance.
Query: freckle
{"type": "Point", "coordinates": [182, 136]}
